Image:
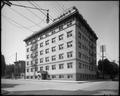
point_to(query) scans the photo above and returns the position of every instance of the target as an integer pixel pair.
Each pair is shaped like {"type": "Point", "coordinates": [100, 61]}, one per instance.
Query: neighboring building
{"type": "Point", "coordinates": [19, 69]}
{"type": "Point", "coordinates": [66, 49]}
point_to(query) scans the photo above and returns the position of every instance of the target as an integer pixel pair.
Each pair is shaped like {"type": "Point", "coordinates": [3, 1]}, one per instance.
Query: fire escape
{"type": "Point", "coordinates": [34, 56]}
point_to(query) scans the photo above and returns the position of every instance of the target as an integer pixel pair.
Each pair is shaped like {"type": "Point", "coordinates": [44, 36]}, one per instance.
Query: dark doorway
{"type": "Point", "coordinates": [44, 76]}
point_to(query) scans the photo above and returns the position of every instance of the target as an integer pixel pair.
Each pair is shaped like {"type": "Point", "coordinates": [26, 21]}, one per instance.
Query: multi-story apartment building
{"type": "Point", "coordinates": [66, 49]}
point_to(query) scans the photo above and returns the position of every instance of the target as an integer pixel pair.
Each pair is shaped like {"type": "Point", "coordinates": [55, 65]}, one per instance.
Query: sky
{"type": "Point", "coordinates": [17, 23]}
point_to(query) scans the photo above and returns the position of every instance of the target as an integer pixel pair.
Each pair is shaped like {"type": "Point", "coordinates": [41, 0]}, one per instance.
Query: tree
{"type": "Point", "coordinates": [3, 65]}
{"type": "Point", "coordinates": [114, 70]}
{"type": "Point", "coordinates": [107, 67]}
{"type": "Point", "coordinates": [9, 70]}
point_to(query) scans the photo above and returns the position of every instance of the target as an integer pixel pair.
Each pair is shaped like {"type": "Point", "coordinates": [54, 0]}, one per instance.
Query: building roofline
{"type": "Point", "coordinates": [47, 27]}
{"type": "Point", "coordinates": [56, 22]}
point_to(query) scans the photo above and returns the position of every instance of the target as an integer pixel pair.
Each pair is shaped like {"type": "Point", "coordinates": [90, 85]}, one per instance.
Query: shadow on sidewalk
{"type": "Point", "coordinates": [8, 85]}
{"type": "Point", "coordinates": [64, 92]}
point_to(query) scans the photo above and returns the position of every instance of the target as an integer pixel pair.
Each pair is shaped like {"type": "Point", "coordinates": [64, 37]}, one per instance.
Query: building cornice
{"type": "Point", "coordinates": [54, 24]}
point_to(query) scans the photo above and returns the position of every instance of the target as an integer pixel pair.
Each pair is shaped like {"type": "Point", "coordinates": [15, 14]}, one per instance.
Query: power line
{"type": "Point", "coordinates": [60, 6]}
{"type": "Point", "coordinates": [28, 7]}
{"type": "Point", "coordinates": [38, 23]}
{"type": "Point", "coordinates": [17, 23]}
{"type": "Point", "coordinates": [33, 13]}
{"type": "Point", "coordinates": [36, 16]}
{"type": "Point", "coordinates": [23, 16]}
{"type": "Point", "coordinates": [39, 7]}
{"type": "Point", "coordinates": [39, 10]}
{"type": "Point", "coordinates": [36, 7]}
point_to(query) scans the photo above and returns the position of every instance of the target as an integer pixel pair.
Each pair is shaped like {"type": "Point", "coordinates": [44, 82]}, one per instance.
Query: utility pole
{"type": "Point", "coordinates": [16, 57]}
{"type": "Point", "coordinates": [5, 2]}
{"type": "Point", "coordinates": [102, 49]}
{"type": "Point", "coordinates": [9, 4]}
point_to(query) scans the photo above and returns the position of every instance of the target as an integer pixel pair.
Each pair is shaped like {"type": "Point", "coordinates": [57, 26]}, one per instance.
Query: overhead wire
{"type": "Point", "coordinates": [36, 16]}
{"type": "Point", "coordinates": [17, 23]}
{"type": "Point", "coordinates": [37, 23]}
{"type": "Point", "coordinates": [28, 7]}
{"type": "Point", "coordinates": [35, 5]}
{"type": "Point", "coordinates": [24, 16]}
{"type": "Point", "coordinates": [60, 6]}
{"type": "Point", "coordinates": [40, 7]}
{"type": "Point", "coordinates": [32, 12]}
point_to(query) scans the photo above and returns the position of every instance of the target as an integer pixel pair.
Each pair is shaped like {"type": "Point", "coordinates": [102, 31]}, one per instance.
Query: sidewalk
{"type": "Point", "coordinates": [62, 81]}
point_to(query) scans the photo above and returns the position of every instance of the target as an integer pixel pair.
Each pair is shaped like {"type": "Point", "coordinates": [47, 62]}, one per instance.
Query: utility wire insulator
{"type": "Point", "coordinates": [47, 20]}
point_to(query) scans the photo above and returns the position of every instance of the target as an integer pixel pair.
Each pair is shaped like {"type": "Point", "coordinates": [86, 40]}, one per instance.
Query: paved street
{"type": "Point", "coordinates": [54, 87]}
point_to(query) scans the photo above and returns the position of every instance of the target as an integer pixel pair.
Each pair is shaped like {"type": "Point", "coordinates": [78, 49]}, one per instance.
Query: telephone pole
{"type": "Point", "coordinates": [16, 57]}
{"type": "Point", "coordinates": [102, 49]}
{"type": "Point", "coordinates": [5, 2]}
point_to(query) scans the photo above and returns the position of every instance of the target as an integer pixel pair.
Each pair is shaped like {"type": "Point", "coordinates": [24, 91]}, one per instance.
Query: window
{"type": "Point", "coordinates": [61, 76]}
{"type": "Point", "coordinates": [53, 76]}
{"type": "Point", "coordinates": [61, 27]}
{"type": "Point", "coordinates": [53, 31]}
{"type": "Point", "coordinates": [69, 44]}
{"type": "Point", "coordinates": [27, 56]}
{"type": "Point", "coordinates": [36, 68]}
{"type": "Point", "coordinates": [53, 49]}
{"type": "Point", "coordinates": [61, 56]}
{"type": "Point", "coordinates": [69, 34]}
{"type": "Point", "coordinates": [79, 35]}
{"type": "Point", "coordinates": [69, 65]}
{"type": "Point", "coordinates": [53, 40]}
{"type": "Point", "coordinates": [27, 62]}
{"type": "Point", "coordinates": [79, 54]}
{"type": "Point", "coordinates": [61, 37]}
{"type": "Point", "coordinates": [60, 46]}
{"type": "Point", "coordinates": [31, 69]}
{"type": "Point", "coordinates": [27, 70]}
{"type": "Point", "coordinates": [69, 76]}
{"type": "Point", "coordinates": [80, 65]}
{"type": "Point", "coordinates": [41, 68]}
{"type": "Point", "coordinates": [53, 58]}
{"type": "Point", "coordinates": [47, 51]}
{"type": "Point", "coordinates": [32, 48]}
{"type": "Point", "coordinates": [47, 42]}
{"type": "Point", "coordinates": [69, 54]}
{"type": "Point", "coordinates": [31, 62]}
{"type": "Point", "coordinates": [61, 66]}
{"type": "Point", "coordinates": [41, 44]}
{"type": "Point", "coordinates": [41, 52]}
{"type": "Point", "coordinates": [69, 23]}
{"type": "Point", "coordinates": [36, 61]}
{"type": "Point", "coordinates": [27, 49]}
{"type": "Point", "coordinates": [53, 67]}
{"type": "Point", "coordinates": [79, 44]}
{"type": "Point", "coordinates": [41, 60]}
{"type": "Point", "coordinates": [31, 55]}
{"type": "Point", "coordinates": [47, 67]}
{"type": "Point", "coordinates": [47, 34]}
{"type": "Point", "coordinates": [47, 59]}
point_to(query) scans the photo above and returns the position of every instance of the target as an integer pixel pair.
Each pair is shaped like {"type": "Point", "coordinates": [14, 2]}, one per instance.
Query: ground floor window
{"type": "Point", "coordinates": [27, 77]}
{"type": "Point", "coordinates": [61, 76]}
{"type": "Point", "coordinates": [53, 76]}
{"type": "Point", "coordinates": [70, 76]}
